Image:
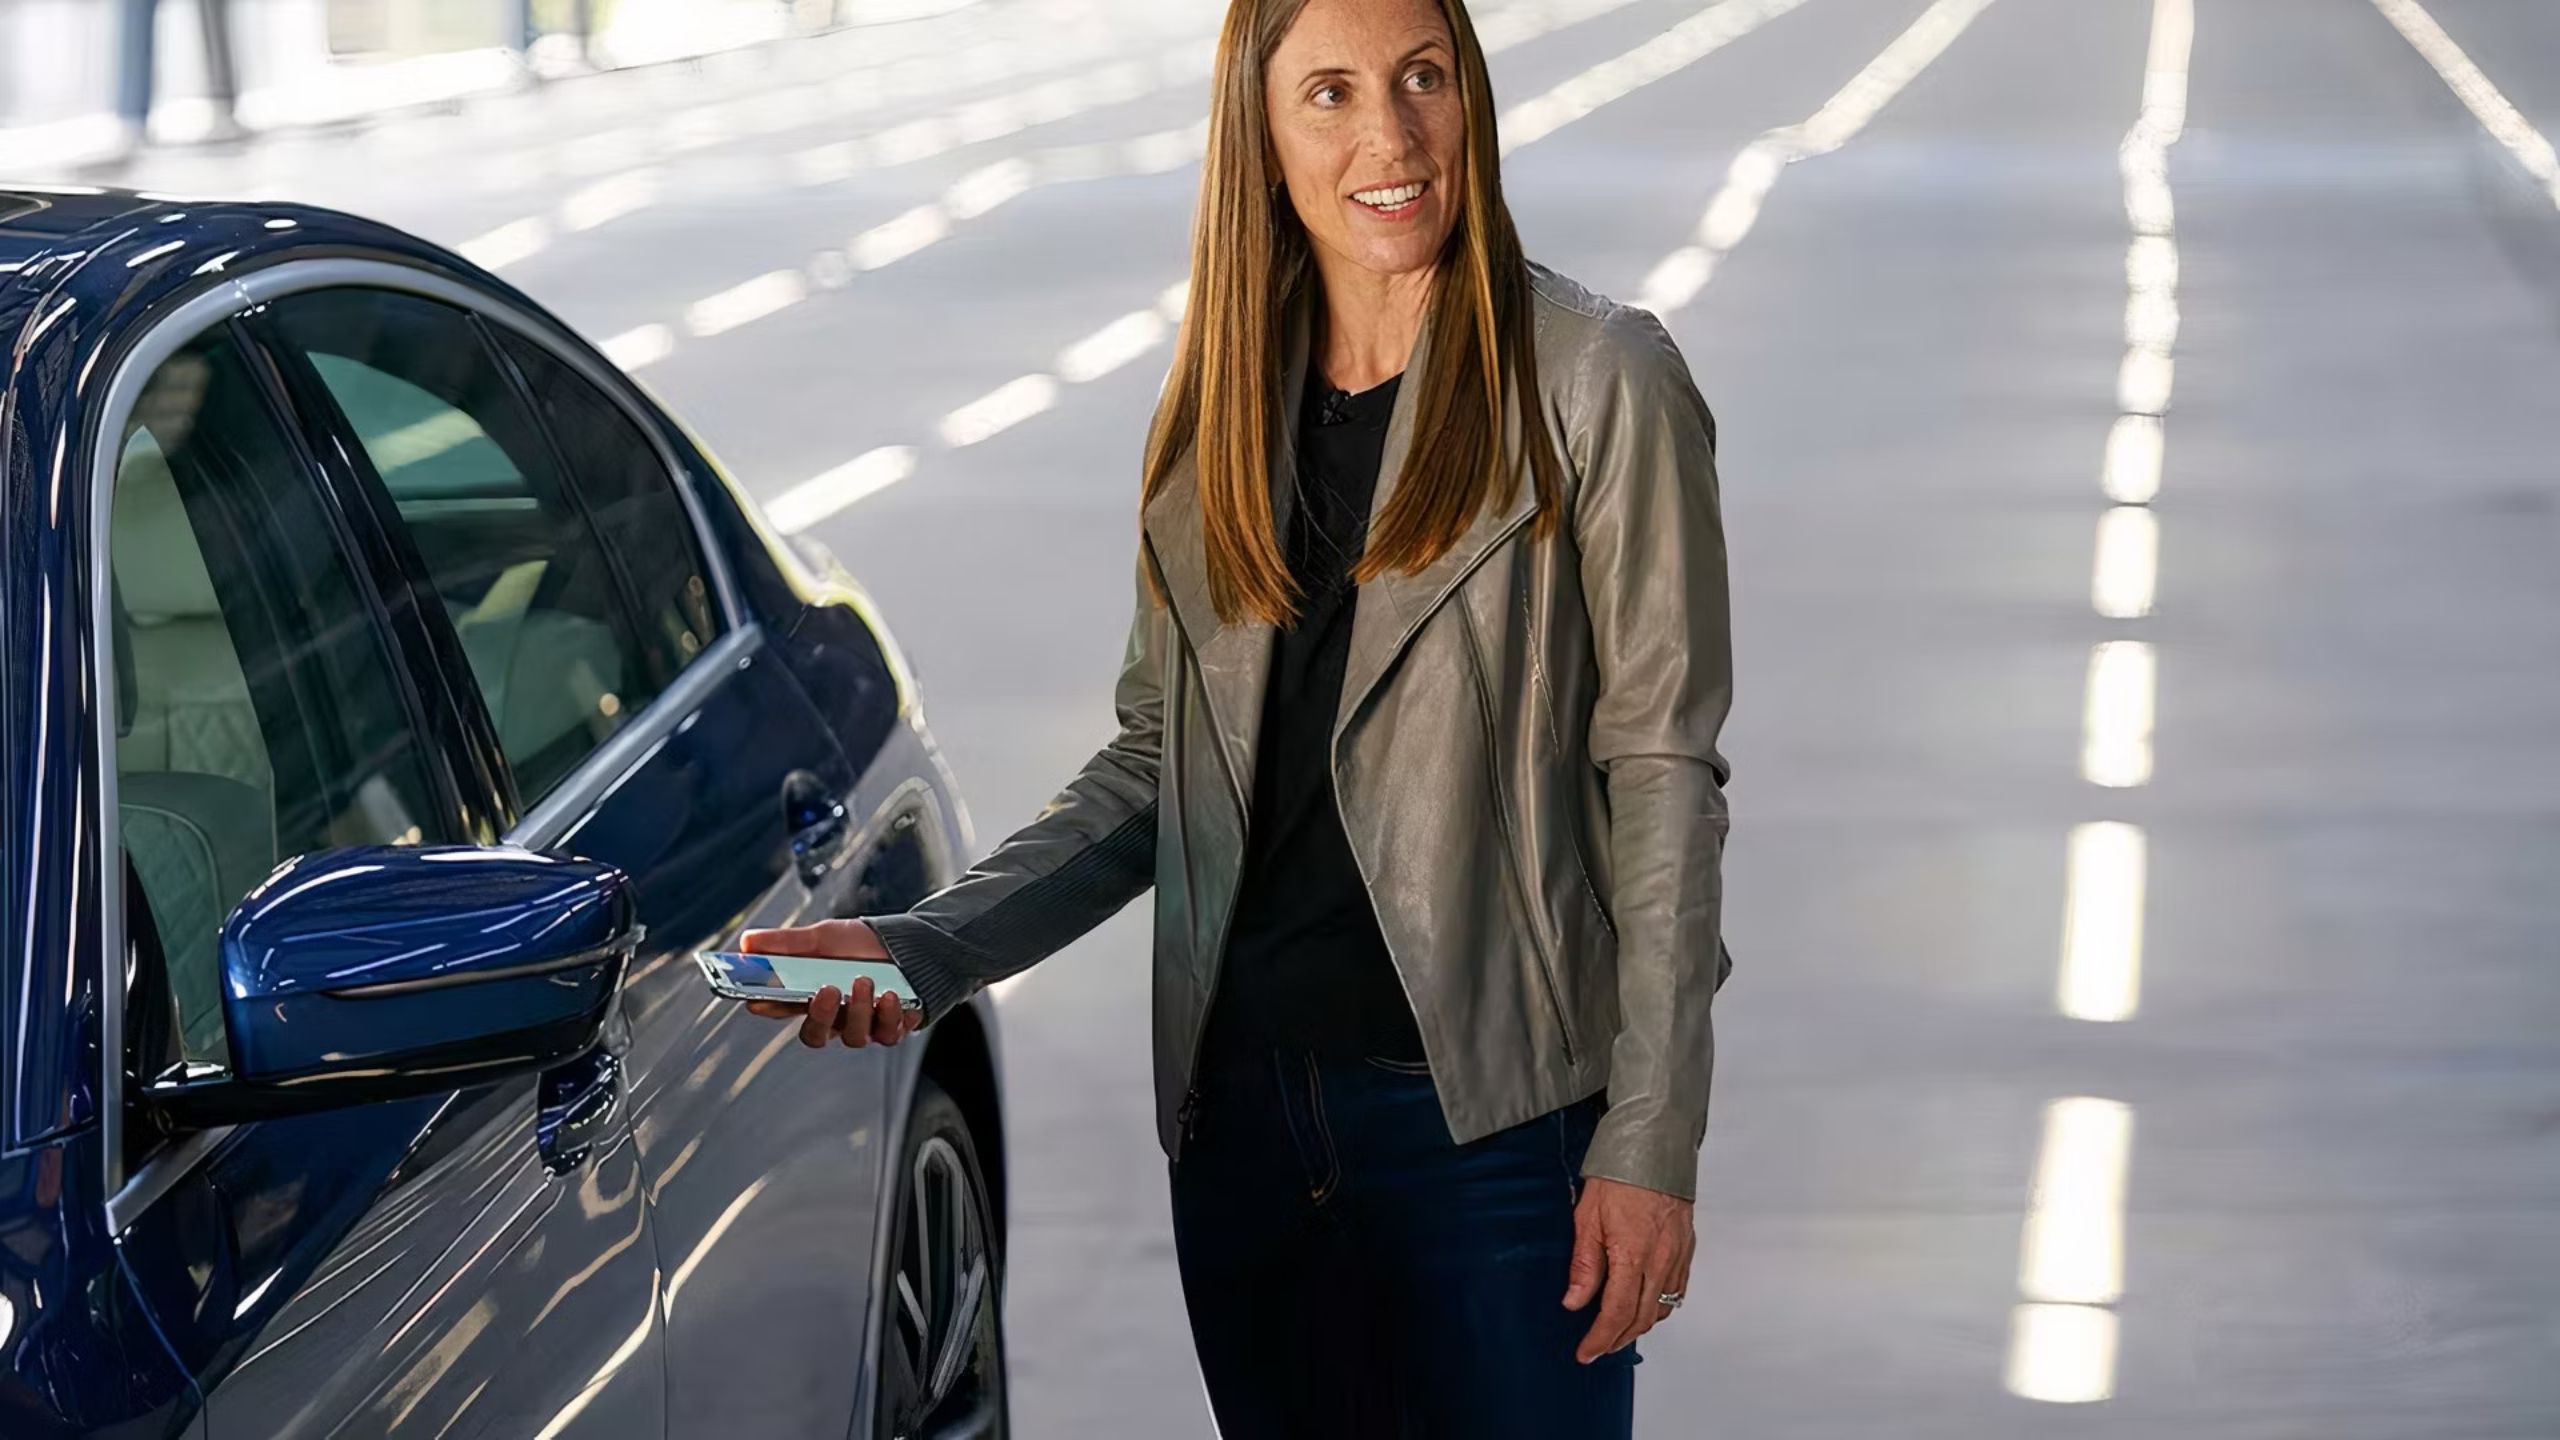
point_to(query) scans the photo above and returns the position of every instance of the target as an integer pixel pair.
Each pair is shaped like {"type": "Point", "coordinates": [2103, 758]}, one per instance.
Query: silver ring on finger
{"type": "Point", "coordinates": [1669, 1299]}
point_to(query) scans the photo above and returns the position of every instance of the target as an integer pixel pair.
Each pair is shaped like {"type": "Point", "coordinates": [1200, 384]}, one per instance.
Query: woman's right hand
{"type": "Point", "coordinates": [832, 1012]}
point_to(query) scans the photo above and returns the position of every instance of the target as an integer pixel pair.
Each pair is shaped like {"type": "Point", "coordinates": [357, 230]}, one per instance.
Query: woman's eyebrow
{"type": "Point", "coordinates": [1346, 72]}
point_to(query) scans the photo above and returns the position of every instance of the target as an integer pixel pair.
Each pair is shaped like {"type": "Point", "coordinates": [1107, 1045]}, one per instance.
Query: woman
{"type": "Point", "coordinates": [1418, 750]}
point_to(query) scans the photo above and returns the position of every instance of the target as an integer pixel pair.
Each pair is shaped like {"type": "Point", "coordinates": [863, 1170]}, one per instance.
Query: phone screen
{"type": "Point", "coordinates": [797, 977]}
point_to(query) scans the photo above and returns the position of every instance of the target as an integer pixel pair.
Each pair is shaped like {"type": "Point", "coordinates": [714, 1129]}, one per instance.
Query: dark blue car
{"type": "Point", "coordinates": [394, 700]}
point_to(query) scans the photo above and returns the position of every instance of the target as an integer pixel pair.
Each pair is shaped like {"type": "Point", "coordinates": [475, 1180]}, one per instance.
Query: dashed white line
{"type": "Point", "coordinates": [508, 244]}
{"type": "Point", "coordinates": [2127, 576]}
{"type": "Point", "coordinates": [2065, 1334]}
{"type": "Point", "coordinates": [985, 188]}
{"type": "Point", "coordinates": [1736, 206]}
{"type": "Point", "coordinates": [2063, 1354]}
{"type": "Point", "coordinates": [1114, 345]}
{"type": "Point", "coordinates": [2133, 459]}
{"type": "Point", "coordinates": [742, 304]}
{"type": "Point", "coordinates": [2073, 1252]}
{"type": "Point", "coordinates": [1000, 410]}
{"type": "Point", "coordinates": [609, 199]}
{"type": "Point", "coordinates": [2063, 1338]}
{"type": "Point", "coordinates": [2115, 747]}
{"type": "Point", "coordinates": [895, 240]}
{"type": "Point", "coordinates": [811, 501]}
{"type": "Point", "coordinates": [2106, 882]}
{"type": "Point", "coordinates": [641, 347]}
{"type": "Point", "coordinates": [1675, 49]}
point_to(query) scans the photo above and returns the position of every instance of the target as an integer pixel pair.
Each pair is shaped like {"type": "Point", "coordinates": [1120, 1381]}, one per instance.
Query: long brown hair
{"type": "Point", "coordinates": [1249, 255]}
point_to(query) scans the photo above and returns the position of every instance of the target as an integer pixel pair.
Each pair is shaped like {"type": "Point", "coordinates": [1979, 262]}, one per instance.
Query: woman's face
{"type": "Point", "coordinates": [1369, 131]}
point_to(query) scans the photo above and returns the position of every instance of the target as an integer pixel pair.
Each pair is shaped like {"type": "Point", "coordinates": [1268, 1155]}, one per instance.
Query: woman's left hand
{"type": "Point", "coordinates": [1630, 1246]}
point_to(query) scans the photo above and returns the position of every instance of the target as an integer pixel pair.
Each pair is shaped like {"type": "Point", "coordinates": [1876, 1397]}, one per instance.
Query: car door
{"type": "Point", "coordinates": [558, 537]}
{"type": "Point", "coordinates": [471, 1264]}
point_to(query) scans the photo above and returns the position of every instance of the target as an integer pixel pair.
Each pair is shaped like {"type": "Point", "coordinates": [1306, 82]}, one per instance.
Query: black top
{"type": "Point", "coordinates": [1305, 963]}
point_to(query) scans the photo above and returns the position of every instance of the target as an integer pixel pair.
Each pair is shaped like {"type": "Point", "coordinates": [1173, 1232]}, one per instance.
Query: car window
{"type": "Point", "coordinates": [632, 498]}
{"type": "Point", "coordinates": [559, 650]}
{"type": "Point", "coordinates": [259, 712]}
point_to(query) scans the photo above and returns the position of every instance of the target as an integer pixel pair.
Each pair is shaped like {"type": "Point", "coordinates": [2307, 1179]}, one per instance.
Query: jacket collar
{"type": "Point", "coordinates": [1235, 659]}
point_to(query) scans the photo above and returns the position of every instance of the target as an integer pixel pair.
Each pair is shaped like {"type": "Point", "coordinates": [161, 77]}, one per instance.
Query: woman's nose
{"type": "Point", "coordinates": [1389, 131]}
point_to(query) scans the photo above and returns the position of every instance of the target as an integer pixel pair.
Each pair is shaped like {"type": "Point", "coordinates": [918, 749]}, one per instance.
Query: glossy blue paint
{"type": "Point", "coordinates": [520, 1257]}
{"type": "Point", "coordinates": [80, 1354]}
{"type": "Point", "coordinates": [377, 958]}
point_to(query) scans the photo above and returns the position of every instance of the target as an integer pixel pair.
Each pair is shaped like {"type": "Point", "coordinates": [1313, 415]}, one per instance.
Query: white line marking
{"type": "Point", "coordinates": [2126, 578]}
{"type": "Point", "coordinates": [2496, 114]}
{"type": "Point", "coordinates": [2063, 1342]}
{"type": "Point", "coordinates": [609, 199]}
{"type": "Point", "coordinates": [1666, 54]}
{"type": "Point", "coordinates": [508, 244]}
{"type": "Point", "coordinates": [2144, 384]}
{"type": "Point", "coordinates": [639, 348]}
{"type": "Point", "coordinates": [993, 118]}
{"type": "Point", "coordinates": [2062, 1354]}
{"type": "Point", "coordinates": [1678, 279]}
{"type": "Point", "coordinates": [889, 243]}
{"type": "Point", "coordinates": [987, 187]}
{"type": "Point", "coordinates": [811, 501]}
{"type": "Point", "coordinates": [744, 304]}
{"type": "Point", "coordinates": [2133, 459]}
{"type": "Point", "coordinates": [1111, 347]}
{"type": "Point", "coordinates": [2073, 1252]}
{"type": "Point", "coordinates": [2115, 748]}
{"type": "Point", "coordinates": [2106, 883]}
{"type": "Point", "coordinates": [999, 411]}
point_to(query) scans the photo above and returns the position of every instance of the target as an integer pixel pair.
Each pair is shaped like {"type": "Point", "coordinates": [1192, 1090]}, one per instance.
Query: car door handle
{"type": "Point", "coordinates": [819, 823]}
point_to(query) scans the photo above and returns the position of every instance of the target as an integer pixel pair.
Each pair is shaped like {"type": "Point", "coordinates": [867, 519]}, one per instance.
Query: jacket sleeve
{"type": "Point", "coordinates": [1088, 853]}
{"type": "Point", "coordinates": [1648, 524]}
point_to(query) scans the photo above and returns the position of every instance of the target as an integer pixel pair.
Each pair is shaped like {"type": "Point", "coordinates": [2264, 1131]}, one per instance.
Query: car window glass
{"type": "Point", "coordinates": [259, 711]}
{"type": "Point", "coordinates": [545, 617]}
{"type": "Point", "coordinates": [633, 501]}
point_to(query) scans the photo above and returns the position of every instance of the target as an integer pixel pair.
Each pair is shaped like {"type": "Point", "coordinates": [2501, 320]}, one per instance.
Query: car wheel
{"type": "Point", "coordinates": [941, 1363]}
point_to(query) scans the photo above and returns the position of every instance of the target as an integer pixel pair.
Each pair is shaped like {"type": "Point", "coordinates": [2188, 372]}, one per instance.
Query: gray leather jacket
{"type": "Point", "coordinates": [1525, 758]}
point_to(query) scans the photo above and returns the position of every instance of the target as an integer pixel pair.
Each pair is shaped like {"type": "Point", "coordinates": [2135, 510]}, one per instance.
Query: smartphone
{"type": "Point", "coordinates": [796, 979]}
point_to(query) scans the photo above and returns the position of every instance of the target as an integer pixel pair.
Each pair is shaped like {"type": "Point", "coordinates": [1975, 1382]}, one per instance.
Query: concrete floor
{"type": "Point", "coordinates": [2340, 1208]}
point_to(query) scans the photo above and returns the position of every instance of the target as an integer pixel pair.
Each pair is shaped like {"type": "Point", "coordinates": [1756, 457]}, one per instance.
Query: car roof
{"type": "Point", "coordinates": [88, 263]}
{"type": "Point", "coordinates": [37, 220]}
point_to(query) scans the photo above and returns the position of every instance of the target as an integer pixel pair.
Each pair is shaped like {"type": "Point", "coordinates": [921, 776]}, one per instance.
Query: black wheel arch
{"type": "Point", "coordinates": [960, 1057]}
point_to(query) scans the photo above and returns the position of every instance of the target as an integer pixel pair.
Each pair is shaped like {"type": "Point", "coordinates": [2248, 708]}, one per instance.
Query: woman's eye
{"type": "Point", "coordinates": [1425, 79]}
{"type": "Point", "coordinates": [1327, 95]}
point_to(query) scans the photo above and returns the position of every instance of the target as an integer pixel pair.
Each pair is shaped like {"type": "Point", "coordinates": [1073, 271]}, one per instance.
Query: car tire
{"type": "Point", "coordinates": [941, 1362]}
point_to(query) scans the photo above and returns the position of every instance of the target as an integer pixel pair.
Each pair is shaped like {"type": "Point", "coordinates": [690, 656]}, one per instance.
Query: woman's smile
{"type": "Point", "coordinates": [1393, 202]}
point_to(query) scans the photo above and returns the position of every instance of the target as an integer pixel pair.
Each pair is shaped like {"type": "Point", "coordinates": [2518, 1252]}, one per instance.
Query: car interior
{"type": "Point", "coordinates": [195, 789]}
{"type": "Point", "coordinates": [258, 715]}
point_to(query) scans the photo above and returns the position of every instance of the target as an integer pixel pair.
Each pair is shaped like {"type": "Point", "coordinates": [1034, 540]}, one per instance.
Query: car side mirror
{"type": "Point", "coordinates": [389, 972]}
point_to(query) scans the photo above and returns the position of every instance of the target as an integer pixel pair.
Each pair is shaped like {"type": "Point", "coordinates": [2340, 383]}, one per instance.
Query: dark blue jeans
{"type": "Point", "coordinates": [1352, 1273]}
